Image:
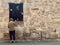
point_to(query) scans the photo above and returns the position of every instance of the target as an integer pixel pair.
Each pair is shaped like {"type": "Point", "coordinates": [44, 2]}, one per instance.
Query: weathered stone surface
{"type": "Point", "coordinates": [39, 15]}
{"type": "Point", "coordinates": [44, 14]}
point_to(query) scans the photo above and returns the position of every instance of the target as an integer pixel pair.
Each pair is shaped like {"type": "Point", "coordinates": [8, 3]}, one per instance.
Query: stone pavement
{"type": "Point", "coordinates": [31, 43]}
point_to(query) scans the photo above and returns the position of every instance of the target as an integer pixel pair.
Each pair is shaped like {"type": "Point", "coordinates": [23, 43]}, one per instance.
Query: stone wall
{"type": "Point", "coordinates": [43, 15]}
{"type": "Point", "coordinates": [39, 16]}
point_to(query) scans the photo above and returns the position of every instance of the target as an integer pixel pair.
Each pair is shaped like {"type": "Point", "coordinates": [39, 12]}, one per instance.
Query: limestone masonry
{"type": "Point", "coordinates": [39, 16]}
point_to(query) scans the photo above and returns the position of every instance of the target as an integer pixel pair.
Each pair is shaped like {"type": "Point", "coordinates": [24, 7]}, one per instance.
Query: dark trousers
{"type": "Point", "coordinates": [12, 35]}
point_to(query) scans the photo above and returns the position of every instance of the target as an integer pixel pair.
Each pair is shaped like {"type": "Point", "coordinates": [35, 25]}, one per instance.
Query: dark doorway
{"type": "Point", "coordinates": [16, 11]}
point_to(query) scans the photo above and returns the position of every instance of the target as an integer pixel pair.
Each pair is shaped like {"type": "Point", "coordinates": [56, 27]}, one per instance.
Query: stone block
{"type": "Point", "coordinates": [6, 36]}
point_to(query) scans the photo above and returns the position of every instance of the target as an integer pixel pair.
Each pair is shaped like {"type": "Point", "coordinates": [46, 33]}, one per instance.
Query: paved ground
{"type": "Point", "coordinates": [31, 43]}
